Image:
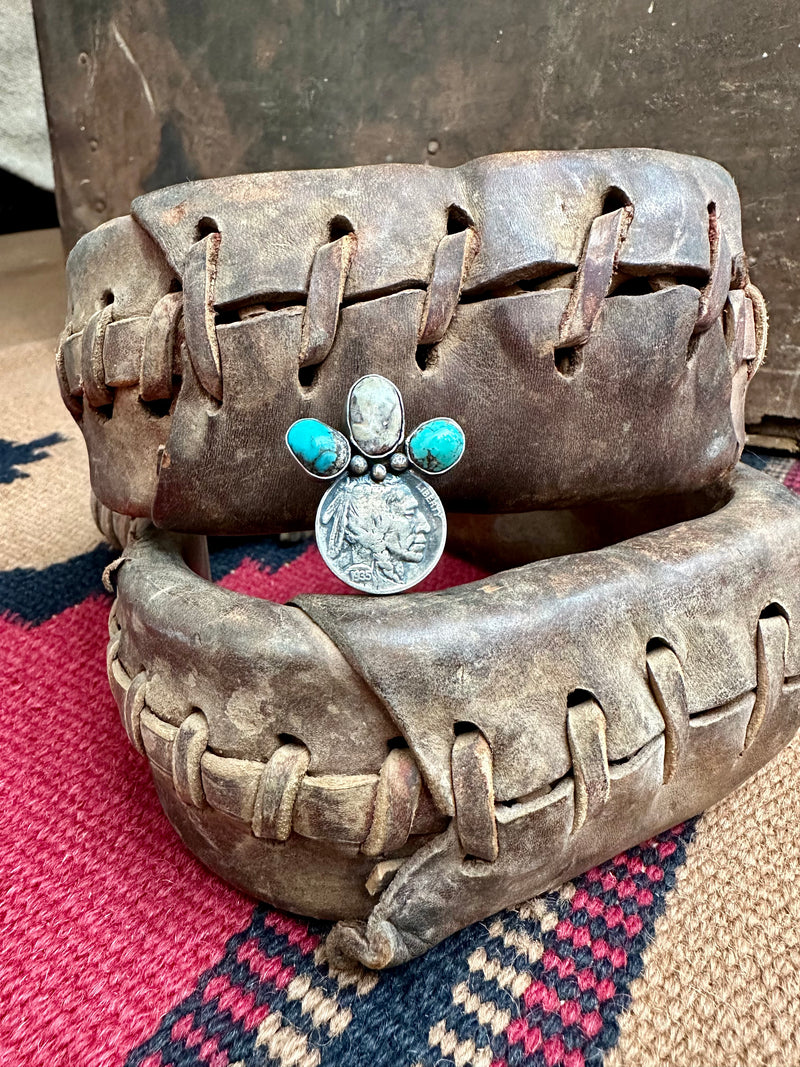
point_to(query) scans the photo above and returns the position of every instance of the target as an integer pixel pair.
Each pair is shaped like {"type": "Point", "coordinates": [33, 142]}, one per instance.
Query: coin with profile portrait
{"type": "Point", "coordinates": [381, 537]}
{"type": "Point", "coordinates": [380, 527]}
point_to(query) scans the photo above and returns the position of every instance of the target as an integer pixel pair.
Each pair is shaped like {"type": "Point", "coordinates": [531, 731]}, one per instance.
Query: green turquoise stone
{"type": "Point", "coordinates": [436, 445]}
{"type": "Point", "coordinates": [323, 451]}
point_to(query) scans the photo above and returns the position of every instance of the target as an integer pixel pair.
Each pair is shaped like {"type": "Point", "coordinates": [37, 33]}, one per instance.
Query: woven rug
{"type": "Point", "coordinates": [117, 947]}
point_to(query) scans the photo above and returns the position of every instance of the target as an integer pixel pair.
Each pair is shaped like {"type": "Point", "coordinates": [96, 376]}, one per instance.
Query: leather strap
{"type": "Point", "coordinates": [587, 317]}
{"type": "Point", "coordinates": [599, 698]}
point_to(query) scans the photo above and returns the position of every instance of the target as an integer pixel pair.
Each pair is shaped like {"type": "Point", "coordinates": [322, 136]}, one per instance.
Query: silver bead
{"type": "Point", "coordinates": [358, 466]}
{"type": "Point", "coordinates": [399, 462]}
{"type": "Point", "coordinates": [378, 472]}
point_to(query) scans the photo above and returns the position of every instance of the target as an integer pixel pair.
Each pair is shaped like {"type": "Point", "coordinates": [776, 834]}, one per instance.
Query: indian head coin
{"type": "Point", "coordinates": [384, 536]}
{"type": "Point", "coordinates": [380, 527]}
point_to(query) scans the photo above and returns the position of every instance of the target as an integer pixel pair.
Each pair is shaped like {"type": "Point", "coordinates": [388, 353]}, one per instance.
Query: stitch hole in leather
{"type": "Point", "coordinates": [568, 361]}
{"type": "Point", "coordinates": [290, 739]}
{"type": "Point", "coordinates": [773, 609]}
{"type": "Point", "coordinates": [106, 298]}
{"type": "Point", "coordinates": [104, 412]}
{"type": "Point", "coordinates": [458, 219]}
{"type": "Point", "coordinates": [158, 409]}
{"type": "Point", "coordinates": [579, 696]}
{"type": "Point", "coordinates": [464, 728]}
{"type": "Point", "coordinates": [205, 226]}
{"type": "Point", "coordinates": [614, 199]}
{"type": "Point", "coordinates": [340, 226]}
{"type": "Point", "coordinates": [397, 742]}
{"type": "Point", "coordinates": [307, 374]}
{"type": "Point", "coordinates": [425, 357]}
{"type": "Point", "coordinates": [657, 642]}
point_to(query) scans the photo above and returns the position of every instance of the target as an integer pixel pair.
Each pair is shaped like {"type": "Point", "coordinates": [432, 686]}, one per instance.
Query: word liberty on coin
{"type": "Point", "coordinates": [379, 527]}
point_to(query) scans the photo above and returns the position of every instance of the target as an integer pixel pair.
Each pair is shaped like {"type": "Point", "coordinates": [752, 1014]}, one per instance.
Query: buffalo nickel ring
{"type": "Point", "coordinates": [380, 528]}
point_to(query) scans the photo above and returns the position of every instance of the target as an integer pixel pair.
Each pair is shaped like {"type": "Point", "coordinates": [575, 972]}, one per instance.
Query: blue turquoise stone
{"type": "Point", "coordinates": [436, 445]}
{"type": "Point", "coordinates": [320, 449]}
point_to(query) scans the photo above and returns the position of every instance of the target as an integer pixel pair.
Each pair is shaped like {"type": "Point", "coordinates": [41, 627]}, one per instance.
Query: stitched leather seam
{"type": "Point", "coordinates": [160, 340]}
{"type": "Point", "coordinates": [389, 808]}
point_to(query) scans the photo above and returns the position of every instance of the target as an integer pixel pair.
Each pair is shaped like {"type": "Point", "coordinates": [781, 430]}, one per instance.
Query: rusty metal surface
{"type": "Point", "coordinates": [140, 96]}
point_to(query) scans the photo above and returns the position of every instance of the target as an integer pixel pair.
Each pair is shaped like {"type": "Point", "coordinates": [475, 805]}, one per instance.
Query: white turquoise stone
{"type": "Point", "coordinates": [436, 445]}
{"type": "Point", "coordinates": [375, 415]}
{"type": "Point", "coordinates": [321, 450]}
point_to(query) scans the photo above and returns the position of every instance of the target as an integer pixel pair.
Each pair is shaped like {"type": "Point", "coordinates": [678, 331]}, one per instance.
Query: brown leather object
{"type": "Point", "coordinates": [420, 761]}
{"type": "Point", "coordinates": [586, 316]}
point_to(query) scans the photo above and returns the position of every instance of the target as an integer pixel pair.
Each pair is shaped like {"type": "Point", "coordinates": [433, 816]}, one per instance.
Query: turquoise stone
{"type": "Point", "coordinates": [321, 450]}
{"type": "Point", "coordinates": [436, 445]}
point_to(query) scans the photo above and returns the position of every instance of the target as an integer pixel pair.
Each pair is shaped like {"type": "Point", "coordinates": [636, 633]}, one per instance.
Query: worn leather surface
{"type": "Point", "coordinates": [585, 316]}
{"type": "Point", "coordinates": [463, 750]}
{"type": "Point", "coordinates": [511, 539]}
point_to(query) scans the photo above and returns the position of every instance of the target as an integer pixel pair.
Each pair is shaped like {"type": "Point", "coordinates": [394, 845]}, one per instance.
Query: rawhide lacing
{"type": "Point", "coordinates": [380, 812]}
{"type": "Point", "coordinates": [111, 352]}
